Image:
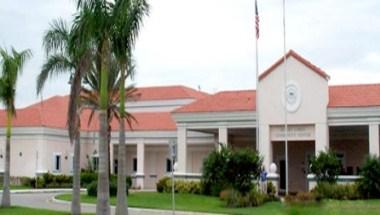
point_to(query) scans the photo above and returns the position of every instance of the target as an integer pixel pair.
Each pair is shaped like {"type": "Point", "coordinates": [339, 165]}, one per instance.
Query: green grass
{"type": "Point", "coordinates": [199, 203]}
{"type": "Point", "coordinates": [17, 187]}
{"type": "Point", "coordinates": [29, 211]}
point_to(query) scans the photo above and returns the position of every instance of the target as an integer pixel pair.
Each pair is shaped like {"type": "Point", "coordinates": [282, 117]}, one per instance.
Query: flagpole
{"type": "Point", "coordinates": [285, 104]}
{"type": "Point", "coordinates": [257, 78]}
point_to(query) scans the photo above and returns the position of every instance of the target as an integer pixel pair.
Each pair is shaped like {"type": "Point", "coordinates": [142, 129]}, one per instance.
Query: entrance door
{"type": "Point", "coordinates": [282, 175]}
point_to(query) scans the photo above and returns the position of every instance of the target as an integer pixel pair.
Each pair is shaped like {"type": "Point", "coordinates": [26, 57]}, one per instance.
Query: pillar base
{"type": "Point", "coordinates": [138, 181]}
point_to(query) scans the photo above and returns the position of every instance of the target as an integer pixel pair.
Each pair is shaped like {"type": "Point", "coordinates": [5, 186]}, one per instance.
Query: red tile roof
{"type": "Point", "coordinates": [52, 111]}
{"type": "Point", "coordinates": [169, 93]}
{"type": "Point", "coordinates": [361, 95]}
{"type": "Point", "coordinates": [244, 100]}
{"type": "Point", "coordinates": [298, 57]}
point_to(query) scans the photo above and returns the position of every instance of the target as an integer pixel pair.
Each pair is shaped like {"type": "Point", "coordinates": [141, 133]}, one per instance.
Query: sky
{"type": "Point", "coordinates": [210, 44]}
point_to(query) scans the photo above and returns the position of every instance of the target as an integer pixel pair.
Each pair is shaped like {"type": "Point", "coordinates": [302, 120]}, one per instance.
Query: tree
{"type": "Point", "coordinates": [97, 21]}
{"type": "Point", "coordinates": [90, 96]}
{"type": "Point", "coordinates": [128, 18]}
{"type": "Point", "coordinates": [11, 67]}
{"type": "Point", "coordinates": [65, 55]}
{"type": "Point", "coordinates": [326, 167]}
{"type": "Point", "coordinates": [229, 168]}
{"type": "Point", "coordinates": [369, 183]}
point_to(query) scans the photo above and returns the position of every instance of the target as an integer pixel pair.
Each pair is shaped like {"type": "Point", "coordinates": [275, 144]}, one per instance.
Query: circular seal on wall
{"type": "Point", "coordinates": [292, 96]}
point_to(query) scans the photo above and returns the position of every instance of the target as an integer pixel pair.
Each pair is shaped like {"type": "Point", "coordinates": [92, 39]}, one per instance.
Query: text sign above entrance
{"type": "Point", "coordinates": [295, 133]}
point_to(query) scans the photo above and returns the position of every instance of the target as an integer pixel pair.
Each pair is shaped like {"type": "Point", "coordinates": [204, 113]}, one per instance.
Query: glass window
{"type": "Point", "coordinates": [168, 165]}
{"type": "Point", "coordinates": [134, 164]}
{"type": "Point", "coordinates": [57, 162]}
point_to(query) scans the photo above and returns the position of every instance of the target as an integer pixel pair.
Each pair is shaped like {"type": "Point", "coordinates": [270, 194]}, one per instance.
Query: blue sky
{"type": "Point", "coordinates": [211, 43]}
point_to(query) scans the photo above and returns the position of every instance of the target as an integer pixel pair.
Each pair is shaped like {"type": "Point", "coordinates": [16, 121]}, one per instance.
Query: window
{"type": "Point", "coordinates": [168, 165]}
{"type": "Point", "coordinates": [57, 162]}
{"type": "Point", "coordinates": [134, 164]}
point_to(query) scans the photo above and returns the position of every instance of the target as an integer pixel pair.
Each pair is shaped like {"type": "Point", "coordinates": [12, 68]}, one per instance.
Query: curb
{"type": "Point", "coordinates": [31, 191]}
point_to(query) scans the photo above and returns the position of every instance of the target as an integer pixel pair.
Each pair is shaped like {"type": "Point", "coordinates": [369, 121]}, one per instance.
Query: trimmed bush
{"type": "Point", "coordinates": [236, 199]}
{"type": "Point", "coordinates": [92, 189]}
{"type": "Point", "coordinates": [326, 167]}
{"type": "Point", "coordinates": [229, 168]}
{"type": "Point", "coordinates": [369, 184]}
{"type": "Point", "coordinates": [325, 190]}
{"type": "Point", "coordinates": [87, 177]}
{"type": "Point", "coordinates": [301, 198]}
{"type": "Point", "coordinates": [26, 181]}
{"type": "Point", "coordinates": [161, 184]}
{"type": "Point", "coordinates": [180, 186]}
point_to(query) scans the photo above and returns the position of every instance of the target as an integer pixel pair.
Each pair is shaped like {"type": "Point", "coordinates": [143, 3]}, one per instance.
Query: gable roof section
{"type": "Point", "coordinates": [168, 93]}
{"type": "Point", "coordinates": [360, 95]}
{"type": "Point", "coordinates": [244, 100]}
{"type": "Point", "coordinates": [298, 57]}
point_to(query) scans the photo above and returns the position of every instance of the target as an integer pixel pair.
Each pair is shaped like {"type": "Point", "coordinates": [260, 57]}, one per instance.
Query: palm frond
{"type": "Point", "coordinates": [56, 39]}
{"type": "Point", "coordinates": [56, 64]}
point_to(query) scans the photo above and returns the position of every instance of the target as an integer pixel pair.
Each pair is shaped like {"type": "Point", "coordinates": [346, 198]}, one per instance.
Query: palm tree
{"type": "Point", "coordinates": [90, 96]}
{"type": "Point", "coordinates": [66, 55]}
{"type": "Point", "coordinates": [128, 18]}
{"type": "Point", "coordinates": [93, 22]}
{"type": "Point", "coordinates": [11, 66]}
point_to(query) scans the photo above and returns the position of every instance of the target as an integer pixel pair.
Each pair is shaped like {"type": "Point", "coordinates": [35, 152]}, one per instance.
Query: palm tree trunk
{"type": "Point", "coordinates": [75, 203]}
{"type": "Point", "coordinates": [6, 201]}
{"type": "Point", "coordinates": [122, 199]}
{"type": "Point", "coordinates": [102, 207]}
{"type": "Point", "coordinates": [122, 205]}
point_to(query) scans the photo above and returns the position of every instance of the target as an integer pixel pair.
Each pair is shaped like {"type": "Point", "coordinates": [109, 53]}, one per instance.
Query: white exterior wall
{"type": "Point", "coordinates": [313, 90]}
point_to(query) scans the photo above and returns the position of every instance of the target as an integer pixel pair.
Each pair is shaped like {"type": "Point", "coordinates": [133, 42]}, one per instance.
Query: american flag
{"type": "Point", "coordinates": [257, 21]}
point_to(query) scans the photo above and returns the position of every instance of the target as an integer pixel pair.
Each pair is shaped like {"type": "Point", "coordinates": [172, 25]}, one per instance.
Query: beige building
{"type": "Point", "coordinates": [343, 118]}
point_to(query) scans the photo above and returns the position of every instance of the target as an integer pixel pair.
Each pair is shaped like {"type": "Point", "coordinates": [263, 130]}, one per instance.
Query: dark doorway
{"type": "Point", "coordinates": [282, 175]}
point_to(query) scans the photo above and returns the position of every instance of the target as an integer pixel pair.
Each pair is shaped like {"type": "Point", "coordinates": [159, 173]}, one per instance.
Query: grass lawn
{"type": "Point", "coordinates": [17, 187]}
{"type": "Point", "coordinates": [189, 202]}
{"type": "Point", "coordinates": [29, 211]}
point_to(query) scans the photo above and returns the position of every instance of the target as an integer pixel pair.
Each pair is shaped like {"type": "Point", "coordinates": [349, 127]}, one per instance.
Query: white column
{"type": "Point", "coordinates": [182, 149]}
{"type": "Point", "coordinates": [223, 136]}
{"type": "Point", "coordinates": [265, 146]}
{"type": "Point", "coordinates": [374, 139]}
{"type": "Point", "coordinates": [140, 174]}
{"type": "Point", "coordinates": [321, 137]}
{"type": "Point", "coordinates": [111, 159]}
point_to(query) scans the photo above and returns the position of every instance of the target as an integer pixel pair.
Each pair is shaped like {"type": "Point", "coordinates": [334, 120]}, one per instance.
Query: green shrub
{"type": "Point", "coordinates": [326, 167]}
{"type": "Point", "coordinates": [87, 177]}
{"type": "Point", "coordinates": [369, 184]}
{"type": "Point", "coordinates": [301, 198]}
{"type": "Point", "coordinates": [325, 190]}
{"type": "Point", "coordinates": [26, 181]}
{"type": "Point", "coordinates": [161, 184]}
{"type": "Point", "coordinates": [230, 168]}
{"type": "Point", "coordinates": [236, 199]}
{"type": "Point", "coordinates": [271, 189]}
{"type": "Point", "coordinates": [92, 189]}
{"type": "Point", "coordinates": [180, 186]}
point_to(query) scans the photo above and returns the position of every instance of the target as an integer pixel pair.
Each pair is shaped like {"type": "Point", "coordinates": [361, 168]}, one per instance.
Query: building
{"type": "Point", "coordinates": [343, 118]}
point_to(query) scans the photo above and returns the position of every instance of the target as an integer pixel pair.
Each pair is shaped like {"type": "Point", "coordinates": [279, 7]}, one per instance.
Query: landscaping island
{"type": "Point", "coordinates": [200, 203]}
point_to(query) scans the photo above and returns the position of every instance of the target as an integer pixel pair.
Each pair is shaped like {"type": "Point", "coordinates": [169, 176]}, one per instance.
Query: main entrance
{"type": "Point", "coordinates": [299, 154]}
